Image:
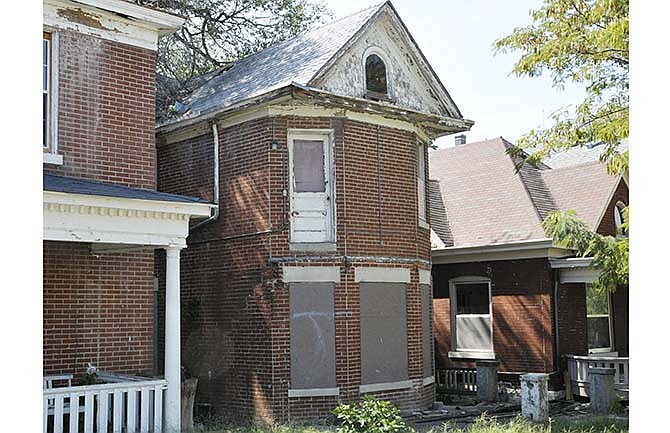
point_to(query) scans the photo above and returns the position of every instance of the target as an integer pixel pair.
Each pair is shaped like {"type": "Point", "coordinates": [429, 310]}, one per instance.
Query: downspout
{"type": "Point", "coordinates": [215, 133]}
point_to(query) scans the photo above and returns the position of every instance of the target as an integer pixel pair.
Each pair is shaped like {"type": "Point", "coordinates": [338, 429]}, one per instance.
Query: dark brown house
{"type": "Point", "coordinates": [312, 283]}
{"type": "Point", "coordinates": [502, 289]}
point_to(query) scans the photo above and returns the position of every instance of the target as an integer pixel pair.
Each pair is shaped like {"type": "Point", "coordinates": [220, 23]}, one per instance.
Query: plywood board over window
{"type": "Point", "coordinates": [427, 329]}
{"type": "Point", "coordinates": [312, 335]}
{"type": "Point", "coordinates": [383, 332]}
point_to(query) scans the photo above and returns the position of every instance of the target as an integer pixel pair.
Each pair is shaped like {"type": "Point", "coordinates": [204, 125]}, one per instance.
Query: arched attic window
{"type": "Point", "coordinates": [375, 77]}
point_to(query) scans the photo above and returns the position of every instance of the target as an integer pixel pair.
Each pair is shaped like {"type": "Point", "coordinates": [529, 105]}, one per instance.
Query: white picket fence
{"type": "Point", "coordinates": [127, 407]}
{"type": "Point", "coordinates": [578, 369]}
{"type": "Point", "coordinates": [460, 380]}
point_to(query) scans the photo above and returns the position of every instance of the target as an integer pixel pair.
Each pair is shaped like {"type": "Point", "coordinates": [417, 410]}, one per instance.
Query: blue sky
{"type": "Point", "coordinates": [456, 37]}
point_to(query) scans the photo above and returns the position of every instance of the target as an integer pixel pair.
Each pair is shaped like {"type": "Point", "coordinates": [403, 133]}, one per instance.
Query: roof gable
{"type": "Point", "coordinates": [319, 58]}
{"type": "Point", "coordinates": [411, 80]}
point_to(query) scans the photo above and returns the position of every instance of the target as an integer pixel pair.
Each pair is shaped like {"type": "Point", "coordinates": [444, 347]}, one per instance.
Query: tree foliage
{"type": "Point", "coordinates": [219, 32]}
{"type": "Point", "coordinates": [580, 41]}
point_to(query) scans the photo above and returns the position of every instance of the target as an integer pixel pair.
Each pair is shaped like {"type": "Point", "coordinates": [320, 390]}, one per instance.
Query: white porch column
{"type": "Point", "coordinates": [172, 341]}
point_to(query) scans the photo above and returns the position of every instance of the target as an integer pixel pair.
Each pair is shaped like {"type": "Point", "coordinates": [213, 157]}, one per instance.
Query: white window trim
{"type": "Point", "coordinates": [50, 154]}
{"type": "Point", "coordinates": [328, 136]}
{"type": "Point", "coordinates": [610, 325]}
{"type": "Point", "coordinates": [460, 353]}
{"type": "Point", "coordinates": [376, 274]}
{"type": "Point", "coordinates": [311, 274]}
{"type": "Point", "coordinates": [423, 218]}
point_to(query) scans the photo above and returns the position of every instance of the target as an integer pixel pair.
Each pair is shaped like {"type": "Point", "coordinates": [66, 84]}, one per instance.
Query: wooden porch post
{"type": "Point", "coordinates": [172, 341]}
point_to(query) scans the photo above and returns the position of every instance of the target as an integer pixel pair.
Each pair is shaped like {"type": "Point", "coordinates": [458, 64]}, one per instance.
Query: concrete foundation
{"type": "Point", "coordinates": [487, 380]}
{"type": "Point", "coordinates": [601, 390]}
{"type": "Point", "coordinates": [535, 396]}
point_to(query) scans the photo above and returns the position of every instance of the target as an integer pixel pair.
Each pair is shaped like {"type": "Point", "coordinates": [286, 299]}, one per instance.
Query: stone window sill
{"type": "Point", "coordinates": [387, 386]}
{"type": "Point", "coordinates": [52, 158]}
{"type": "Point", "coordinates": [472, 355]}
{"type": "Point", "coordinates": [314, 392]}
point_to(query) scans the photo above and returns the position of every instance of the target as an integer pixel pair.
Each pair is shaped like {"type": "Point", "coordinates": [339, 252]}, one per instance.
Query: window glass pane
{"type": "Point", "coordinates": [472, 298]}
{"type": "Point", "coordinates": [375, 74]}
{"type": "Point", "coordinates": [312, 335]}
{"type": "Point", "coordinates": [599, 332]}
{"type": "Point", "coordinates": [45, 121]}
{"type": "Point", "coordinates": [596, 301]}
{"type": "Point", "coordinates": [308, 166]}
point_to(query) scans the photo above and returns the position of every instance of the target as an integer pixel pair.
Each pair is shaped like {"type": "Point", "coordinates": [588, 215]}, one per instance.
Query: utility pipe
{"type": "Point", "coordinates": [215, 133]}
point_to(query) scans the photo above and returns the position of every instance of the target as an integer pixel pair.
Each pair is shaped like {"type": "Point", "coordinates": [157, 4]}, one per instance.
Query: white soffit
{"type": "Point", "coordinates": [114, 220]}
{"type": "Point", "coordinates": [381, 275]}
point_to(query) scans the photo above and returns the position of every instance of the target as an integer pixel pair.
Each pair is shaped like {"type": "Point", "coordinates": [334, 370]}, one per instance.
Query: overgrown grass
{"type": "Point", "coordinates": [482, 425]}
{"type": "Point", "coordinates": [521, 425]}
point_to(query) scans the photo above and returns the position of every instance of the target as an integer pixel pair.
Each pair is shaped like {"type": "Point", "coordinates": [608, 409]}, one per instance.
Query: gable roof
{"type": "Point", "coordinates": [298, 61]}
{"type": "Point", "coordinates": [483, 201]}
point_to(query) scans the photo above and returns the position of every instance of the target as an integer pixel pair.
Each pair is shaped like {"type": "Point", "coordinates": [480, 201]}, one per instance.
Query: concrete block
{"type": "Point", "coordinates": [601, 390]}
{"type": "Point", "coordinates": [534, 396]}
{"type": "Point", "coordinates": [487, 380]}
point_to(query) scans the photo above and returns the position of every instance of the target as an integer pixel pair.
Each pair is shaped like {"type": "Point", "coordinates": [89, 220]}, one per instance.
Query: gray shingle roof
{"type": "Point", "coordinates": [56, 183]}
{"type": "Point", "coordinates": [297, 59]}
{"type": "Point", "coordinates": [478, 199]}
{"type": "Point", "coordinates": [580, 155]}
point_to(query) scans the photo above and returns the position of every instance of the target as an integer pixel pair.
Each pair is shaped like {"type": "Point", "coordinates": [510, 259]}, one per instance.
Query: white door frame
{"type": "Point", "coordinates": [328, 138]}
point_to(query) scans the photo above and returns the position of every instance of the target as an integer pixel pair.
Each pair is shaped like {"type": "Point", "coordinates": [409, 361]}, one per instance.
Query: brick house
{"type": "Point", "coordinates": [103, 219]}
{"type": "Point", "coordinates": [312, 283]}
{"type": "Point", "coordinates": [521, 299]}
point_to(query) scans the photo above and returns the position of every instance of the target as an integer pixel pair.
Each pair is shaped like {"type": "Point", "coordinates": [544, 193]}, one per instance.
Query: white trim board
{"type": "Point", "coordinates": [424, 276]}
{"type": "Point", "coordinates": [373, 274]}
{"type": "Point", "coordinates": [311, 274]}
{"type": "Point", "coordinates": [103, 19]}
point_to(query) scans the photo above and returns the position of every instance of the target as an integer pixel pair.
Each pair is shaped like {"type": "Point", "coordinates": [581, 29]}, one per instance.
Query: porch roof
{"type": "Point", "coordinates": [72, 185]}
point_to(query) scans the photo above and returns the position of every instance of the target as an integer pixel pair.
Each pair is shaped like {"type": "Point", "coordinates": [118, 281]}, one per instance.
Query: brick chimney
{"type": "Point", "coordinates": [459, 139]}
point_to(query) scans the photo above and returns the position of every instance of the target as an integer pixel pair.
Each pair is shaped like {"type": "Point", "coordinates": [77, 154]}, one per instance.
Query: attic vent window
{"type": "Point", "coordinates": [375, 77]}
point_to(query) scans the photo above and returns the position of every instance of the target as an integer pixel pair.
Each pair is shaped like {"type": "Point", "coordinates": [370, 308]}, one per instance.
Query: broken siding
{"type": "Point", "coordinates": [407, 84]}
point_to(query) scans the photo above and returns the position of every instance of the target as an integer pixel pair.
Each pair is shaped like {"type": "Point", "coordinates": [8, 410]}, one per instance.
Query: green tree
{"type": "Point", "coordinates": [580, 41]}
{"type": "Point", "coordinates": [219, 32]}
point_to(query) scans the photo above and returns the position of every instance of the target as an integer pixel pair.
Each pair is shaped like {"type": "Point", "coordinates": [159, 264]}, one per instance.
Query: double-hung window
{"type": "Point", "coordinates": [471, 318]}
{"type": "Point", "coordinates": [598, 320]}
{"type": "Point", "coordinates": [49, 99]}
{"type": "Point", "coordinates": [46, 91]}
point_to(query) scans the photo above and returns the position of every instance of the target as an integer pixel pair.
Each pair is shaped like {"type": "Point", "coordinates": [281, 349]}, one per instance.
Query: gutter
{"type": "Point", "coordinates": [215, 216]}
{"type": "Point", "coordinates": [482, 249]}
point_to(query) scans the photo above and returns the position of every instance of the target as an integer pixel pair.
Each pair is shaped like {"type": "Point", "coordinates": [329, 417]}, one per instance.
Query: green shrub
{"type": "Point", "coordinates": [369, 416]}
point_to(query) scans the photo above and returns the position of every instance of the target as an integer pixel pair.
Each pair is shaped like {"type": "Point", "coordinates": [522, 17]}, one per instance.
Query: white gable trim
{"type": "Point", "coordinates": [102, 19]}
{"type": "Point", "coordinates": [424, 68]}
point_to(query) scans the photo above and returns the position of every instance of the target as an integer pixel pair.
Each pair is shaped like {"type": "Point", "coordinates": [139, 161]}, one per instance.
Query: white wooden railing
{"type": "Point", "coordinates": [578, 369]}
{"type": "Point", "coordinates": [127, 407]}
{"type": "Point", "coordinates": [461, 380]}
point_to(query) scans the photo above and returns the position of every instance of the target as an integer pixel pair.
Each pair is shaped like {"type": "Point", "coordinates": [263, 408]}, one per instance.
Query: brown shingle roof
{"type": "Point", "coordinates": [478, 199]}
{"type": "Point", "coordinates": [584, 188]}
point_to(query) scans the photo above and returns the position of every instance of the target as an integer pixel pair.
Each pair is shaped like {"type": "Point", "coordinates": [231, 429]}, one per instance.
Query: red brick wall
{"type": "Point", "coordinates": [522, 313]}
{"type": "Point", "coordinates": [96, 309]}
{"type": "Point", "coordinates": [238, 339]}
{"type": "Point", "coordinates": [106, 111]}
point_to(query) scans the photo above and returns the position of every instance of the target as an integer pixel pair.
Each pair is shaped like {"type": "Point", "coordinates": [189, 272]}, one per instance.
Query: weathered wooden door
{"type": "Point", "coordinates": [311, 187]}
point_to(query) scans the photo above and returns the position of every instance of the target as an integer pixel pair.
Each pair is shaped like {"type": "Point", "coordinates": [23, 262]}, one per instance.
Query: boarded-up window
{"type": "Point", "coordinates": [383, 333]}
{"type": "Point", "coordinates": [427, 329]}
{"type": "Point", "coordinates": [46, 88]}
{"type": "Point", "coordinates": [308, 166]}
{"type": "Point", "coordinates": [471, 316]}
{"type": "Point", "coordinates": [312, 330]}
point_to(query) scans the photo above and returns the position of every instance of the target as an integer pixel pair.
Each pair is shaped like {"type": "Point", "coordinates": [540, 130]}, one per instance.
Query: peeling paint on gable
{"type": "Point", "coordinates": [81, 17]}
{"type": "Point", "coordinates": [408, 84]}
